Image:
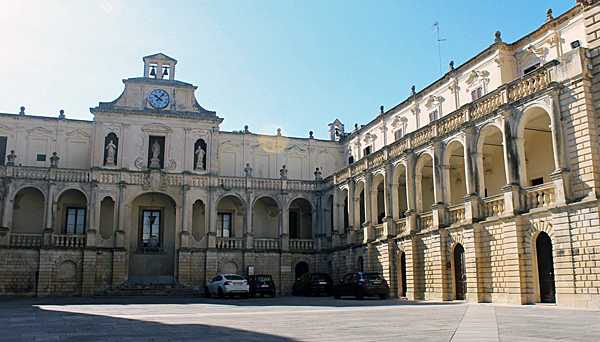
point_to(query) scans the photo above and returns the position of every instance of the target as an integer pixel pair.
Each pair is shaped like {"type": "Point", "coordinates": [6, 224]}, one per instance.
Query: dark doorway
{"type": "Point", "coordinates": [2, 149]}
{"type": "Point", "coordinates": [360, 264]}
{"type": "Point", "coordinates": [460, 272]}
{"type": "Point", "coordinates": [301, 268]}
{"type": "Point", "coordinates": [545, 268]}
{"type": "Point", "coordinates": [293, 225]}
{"type": "Point", "coordinates": [403, 288]}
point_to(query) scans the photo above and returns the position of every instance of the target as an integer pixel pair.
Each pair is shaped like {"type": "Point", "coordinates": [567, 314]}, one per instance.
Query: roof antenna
{"type": "Point", "coordinates": [436, 28]}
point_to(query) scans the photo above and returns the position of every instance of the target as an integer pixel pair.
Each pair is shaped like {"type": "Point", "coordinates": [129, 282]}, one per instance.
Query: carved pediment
{"type": "Point", "coordinates": [79, 134]}
{"type": "Point", "coordinates": [399, 120]}
{"type": "Point", "coordinates": [229, 145]}
{"type": "Point", "coordinates": [369, 137]}
{"type": "Point", "coordinates": [157, 128]}
{"type": "Point", "coordinates": [475, 76]}
{"type": "Point", "coordinates": [112, 127]}
{"type": "Point", "coordinates": [433, 100]}
{"type": "Point", "coordinates": [201, 134]}
{"type": "Point", "coordinates": [295, 149]}
{"type": "Point", "coordinates": [40, 131]}
{"type": "Point", "coordinates": [5, 129]}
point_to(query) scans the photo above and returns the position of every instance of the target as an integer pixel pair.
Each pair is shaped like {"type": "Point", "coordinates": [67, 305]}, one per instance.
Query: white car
{"type": "Point", "coordinates": [230, 284]}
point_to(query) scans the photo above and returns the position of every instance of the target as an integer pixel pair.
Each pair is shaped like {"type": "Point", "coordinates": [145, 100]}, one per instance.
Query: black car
{"type": "Point", "coordinates": [262, 284]}
{"type": "Point", "coordinates": [360, 284]}
{"type": "Point", "coordinates": [313, 283]}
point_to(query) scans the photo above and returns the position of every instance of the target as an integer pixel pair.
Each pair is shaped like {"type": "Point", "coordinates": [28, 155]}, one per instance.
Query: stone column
{"type": "Point", "coordinates": [411, 200]}
{"type": "Point", "coordinates": [186, 219]}
{"type": "Point", "coordinates": [211, 211]}
{"type": "Point", "coordinates": [284, 224]}
{"type": "Point", "coordinates": [512, 190]}
{"type": "Point", "coordinates": [7, 205]}
{"type": "Point", "coordinates": [120, 215]}
{"type": "Point", "coordinates": [472, 180]}
{"type": "Point", "coordinates": [249, 221]}
{"type": "Point", "coordinates": [561, 177]}
{"type": "Point", "coordinates": [439, 209]}
{"type": "Point", "coordinates": [49, 215]}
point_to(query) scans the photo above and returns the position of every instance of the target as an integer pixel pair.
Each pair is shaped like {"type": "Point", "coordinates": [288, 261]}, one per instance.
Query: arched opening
{"type": "Point", "coordinates": [111, 149]}
{"type": "Point", "coordinates": [329, 216]}
{"type": "Point", "coordinates": [491, 162]}
{"type": "Point", "coordinates": [300, 219]}
{"type": "Point", "coordinates": [379, 193]}
{"type": "Point", "coordinates": [265, 221]}
{"type": "Point", "coordinates": [71, 213]}
{"type": "Point", "coordinates": [300, 269]}
{"type": "Point", "coordinates": [200, 155]}
{"type": "Point", "coordinates": [402, 276]}
{"type": "Point", "coordinates": [360, 198]}
{"type": "Point", "coordinates": [229, 267]}
{"type": "Point", "coordinates": [360, 264]}
{"type": "Point", "coordinates": [107, 217]}
{"type": "Point", "coordinates": [230, 217]}
{"type": "Point", "coordinates": [152, 241]}
{"type": "Point", "coordinates": [28, 212]}
{"type": "Point", "coordinates": [345, 211]}
{"type": "Point", "coordinates": [424, 182]}
{"type": "Point", "coordinates": [538, 156]}
{"type": "Point", "coordinates": [545, 263]}
{"type": "Point", "coordinates": [198, 220]}
{"type": "Point", "coordinates": [399, 191]}
{"type": "Point", "coordinates": [454, 173]}
{"type": "Point", "coordinates": [460, 274]}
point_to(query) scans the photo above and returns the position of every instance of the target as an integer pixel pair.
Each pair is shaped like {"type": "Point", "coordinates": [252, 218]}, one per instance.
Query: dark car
{"type": "Point", "coordinates": [262, 284]}
{"type": "Point", "coordinates": [313, 283]}
{"type": "Point", "coordinates": [360, 284]}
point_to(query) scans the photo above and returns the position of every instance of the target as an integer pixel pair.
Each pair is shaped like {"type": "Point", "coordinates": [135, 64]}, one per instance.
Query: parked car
{"type": "Point", "coordinates": [360, 284]}
{"type": "Point", "coordinates": [227, 284]}
{"type": "Point", "coordinates": [261, 284]}
{"type": "Point", "coordinates": [313, 283]}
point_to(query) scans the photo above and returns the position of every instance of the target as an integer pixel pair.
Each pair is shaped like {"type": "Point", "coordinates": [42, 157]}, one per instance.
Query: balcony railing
{"type": "Point", "coordinates": [537, 196]}
{"type": "Point", "coordinates": [69, 240]}
{"type": "Point", "coordinates": [401, 226]}
{"type": "Point", "coordinates": [425, 221]}
{"type": "Point", "coordinates": [230, 243]}
{"type": "Point", "coordinates": [456, 214]}
{"type": "Point", "coordinates": [26, 240]}
{"type": "Point", "coordinates": [301, 244]}
{"type": "Point", "coordinates": [378, 231]}
{"type": "Point", "coordinates": [492, 206]}
{"type": "Point", "coordinates": [266, 243]}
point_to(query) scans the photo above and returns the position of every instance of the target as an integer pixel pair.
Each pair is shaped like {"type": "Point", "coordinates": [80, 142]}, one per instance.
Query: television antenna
{"type": "Point", "coordinates": [436, 28]}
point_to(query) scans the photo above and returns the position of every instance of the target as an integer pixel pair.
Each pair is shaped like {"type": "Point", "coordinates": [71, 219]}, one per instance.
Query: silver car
{"type": "Point", "coordinates": [227, 284]}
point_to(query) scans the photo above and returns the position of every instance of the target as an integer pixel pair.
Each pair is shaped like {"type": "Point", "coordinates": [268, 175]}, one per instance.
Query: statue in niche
{"type": "Point", "coordinates": [155, 162]}
{"type": "Point", "coordinates": [111, 148]}
{"type": "Point", "coordinates": [283, 172]}
{"type": "Point", "coordinates": [200, 155]}
{"type": "Point", "coordinates": [248, 170]}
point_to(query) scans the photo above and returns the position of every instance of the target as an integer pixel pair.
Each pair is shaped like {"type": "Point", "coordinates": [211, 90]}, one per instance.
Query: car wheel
{"type": "Point", "coordinates": [206, 292]}
{"type": "Point", "coordinates": [220, 293]}
{"type": "Point", "coordinates": [273, 295]}
{"type": "Point", "coordinates": [382, 296]}
{"type": "Point", "coordinates": [245, 295]}
{"type": "Point", "coordinates": [358, 293]}
{"type": "Point", "coordinates": [262, 295]}
{"type": "Point", "coordinates": [336, 294]}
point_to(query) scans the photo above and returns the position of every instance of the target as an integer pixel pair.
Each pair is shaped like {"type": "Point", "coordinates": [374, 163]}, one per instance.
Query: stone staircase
{"type": "Point", "coordinates": [150, 290]}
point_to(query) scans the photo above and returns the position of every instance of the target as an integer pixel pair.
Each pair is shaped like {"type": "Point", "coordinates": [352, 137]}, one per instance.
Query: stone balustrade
{"type": "Point", "coordinates": [401, 226]}
{"type": "Point", "coordinates": [230, 243]}
{"type": "Point", "coordinates": [492, 206]}
{"type": "Point", "coordinates": [425, 221]}
{"type": "Point", "coordinates": [360, 235]}
{"type": "Point", "coordinates": [537, 196]}
{"type": "Point", "coordinates": [25, 240]}
{"type": "Point", "coordinates": [266, 243]}
{"type": "Point", "coordinates": [301, 244]}
{"type": "Point", "coordinates": [378, 231]}
{"type": "Point", "coordinates": [68, 240]}
{"type": "Point", "coordinates": [456, 214]}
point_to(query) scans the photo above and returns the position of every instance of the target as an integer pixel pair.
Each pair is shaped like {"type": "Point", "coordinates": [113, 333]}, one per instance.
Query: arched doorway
{"type": "Point", "coordinates": [460, 272]}
{"type": "Point", "coordinates": [152, 242]}
{"type": "Point", "coordinates": [301, 268]}
{"type": "Point", "coordinates": [543, 246]}
{"type": "Point", "coordinates": [300, 219]}
{"type": "Point", "coordinates": [402, 288]}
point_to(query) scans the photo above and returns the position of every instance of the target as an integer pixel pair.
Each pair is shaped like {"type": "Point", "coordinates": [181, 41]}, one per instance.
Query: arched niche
{"type": "Point", "coordinates": [200, 155]}
{"type": "Point", "coordinates": [265, 220]}
{"type": "Point", "coordinates": [111, 149]}
{"type": "Point", "coordinates": [198, 220]}
{"type": "Point", "coordinates": [28, 212]}
{"type": "Point", "coordinates": [107, 217]}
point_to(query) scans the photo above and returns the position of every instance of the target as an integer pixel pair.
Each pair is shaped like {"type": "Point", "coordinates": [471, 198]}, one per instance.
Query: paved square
{"type": "Point", "coordinates": [287, 318]}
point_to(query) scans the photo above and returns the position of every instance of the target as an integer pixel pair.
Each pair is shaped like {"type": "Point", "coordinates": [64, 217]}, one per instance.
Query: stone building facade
{"type": "Point", "coordinates": [483, 186]}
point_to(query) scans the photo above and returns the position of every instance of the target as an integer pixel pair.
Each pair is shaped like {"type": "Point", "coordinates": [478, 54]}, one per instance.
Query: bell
{"type": "Point", "coordinates": [165, 71]}
{"type": "Point", "coordinates": [153, 71]}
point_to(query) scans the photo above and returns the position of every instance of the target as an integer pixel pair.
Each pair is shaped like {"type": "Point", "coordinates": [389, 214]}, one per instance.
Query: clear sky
{"type": "Point", "coordinates": [297, 65]}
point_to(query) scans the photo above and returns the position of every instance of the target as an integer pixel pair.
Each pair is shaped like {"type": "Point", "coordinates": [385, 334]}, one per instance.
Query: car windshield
{"type": "Point", "coordinates": [372, 276]}
{"type": "Point", "coordinates": [234, 277]}
{"type": "Point", "coordinates": [264, 279]}
{"type": "Point", "coordinates": [320, 277]}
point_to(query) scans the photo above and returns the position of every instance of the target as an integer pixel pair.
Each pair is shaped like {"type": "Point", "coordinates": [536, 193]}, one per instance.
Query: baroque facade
{"type": "Point", "coordinates": [483, 186]}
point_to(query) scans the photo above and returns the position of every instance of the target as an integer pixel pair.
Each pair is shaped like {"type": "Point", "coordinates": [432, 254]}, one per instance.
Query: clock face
{"type": "Point", "coordinates": [159, 98]}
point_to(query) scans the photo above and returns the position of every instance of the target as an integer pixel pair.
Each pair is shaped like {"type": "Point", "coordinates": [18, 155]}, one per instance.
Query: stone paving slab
{"type": "Point", "coordinates": [287, 318]}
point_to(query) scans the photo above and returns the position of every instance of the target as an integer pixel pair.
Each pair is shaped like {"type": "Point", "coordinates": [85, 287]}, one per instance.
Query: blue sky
{"type": "Point", "coordinates": [297, 65]}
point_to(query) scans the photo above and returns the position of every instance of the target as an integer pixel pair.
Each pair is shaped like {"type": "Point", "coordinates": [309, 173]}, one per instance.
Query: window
{"type": "Point", "coordinates": [75, 221]}
{"type": "Point", "coordinates": [476, 93]}
{"type": "Point", "coordinates": [350, 159]}
{"type": "Point", "coordinates": [433, 116]}
{"type": "Point", "coordinates": [367, 151]}
{"type": "Point", "coordinates": [531, 68]}
{"type": "Point", "coordinates": [224, 225]}
{"type": "Point", "coordinates": [41, 157]}
{"type": "Point", "coordinates": [2, 150]}
{"type": "Point", "coordinates": [151, 223]}
{"type": "Point", "coordinates": [537, 181]}
{"type": "Point", "coordinates": [398, 134]}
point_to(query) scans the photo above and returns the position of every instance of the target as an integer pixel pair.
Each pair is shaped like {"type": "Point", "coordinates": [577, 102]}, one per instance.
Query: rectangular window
{"type": "Point", "coordinates": [75, 221]}
{"type": "Point", "coordinates": [2, 150]}
{"type": "Point", "coordinates": [433, 116]}
{"type": "Point", "coordinates": [398, 134]}
{"type": "Point", "coordinates": [531, 68]}
{"type": "Point", "coordinates": [224, 225]}
{"type": "Point", "coordinates": [41, 157]}
{"type": "Point", "coordinates": [537, 181]}
{"type": "Point", "coordinates": [151, 224]}
{"type": "Point", "coordinates": [476, 93]}
{"type": "Point", "coordinates": [367, 151]}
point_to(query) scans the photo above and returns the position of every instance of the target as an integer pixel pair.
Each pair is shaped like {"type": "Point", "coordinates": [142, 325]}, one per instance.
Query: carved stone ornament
{"type": "Point", "coordinates": [139, 162]}
{"type": "Point", "coordinates": [433, 101]}
{"type": "Point", "coordinates": [112, 127]}
{"type": "Point", "coordinates": [453, 87]}
{"type": "Point", "coordinates": [476, 76]}
{"type": "Point", "coordinates": [201, 134]}
{"type": "Point", "coordinates": [370, 137]}
{"type": "Point", "coordinates": [155, 180]}
{"type": "Point", "coordinates": [398, 120]}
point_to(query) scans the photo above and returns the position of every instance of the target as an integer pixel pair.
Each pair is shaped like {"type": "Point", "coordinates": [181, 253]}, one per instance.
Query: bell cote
{"type": "Point", "coordinates": [159, 66]}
